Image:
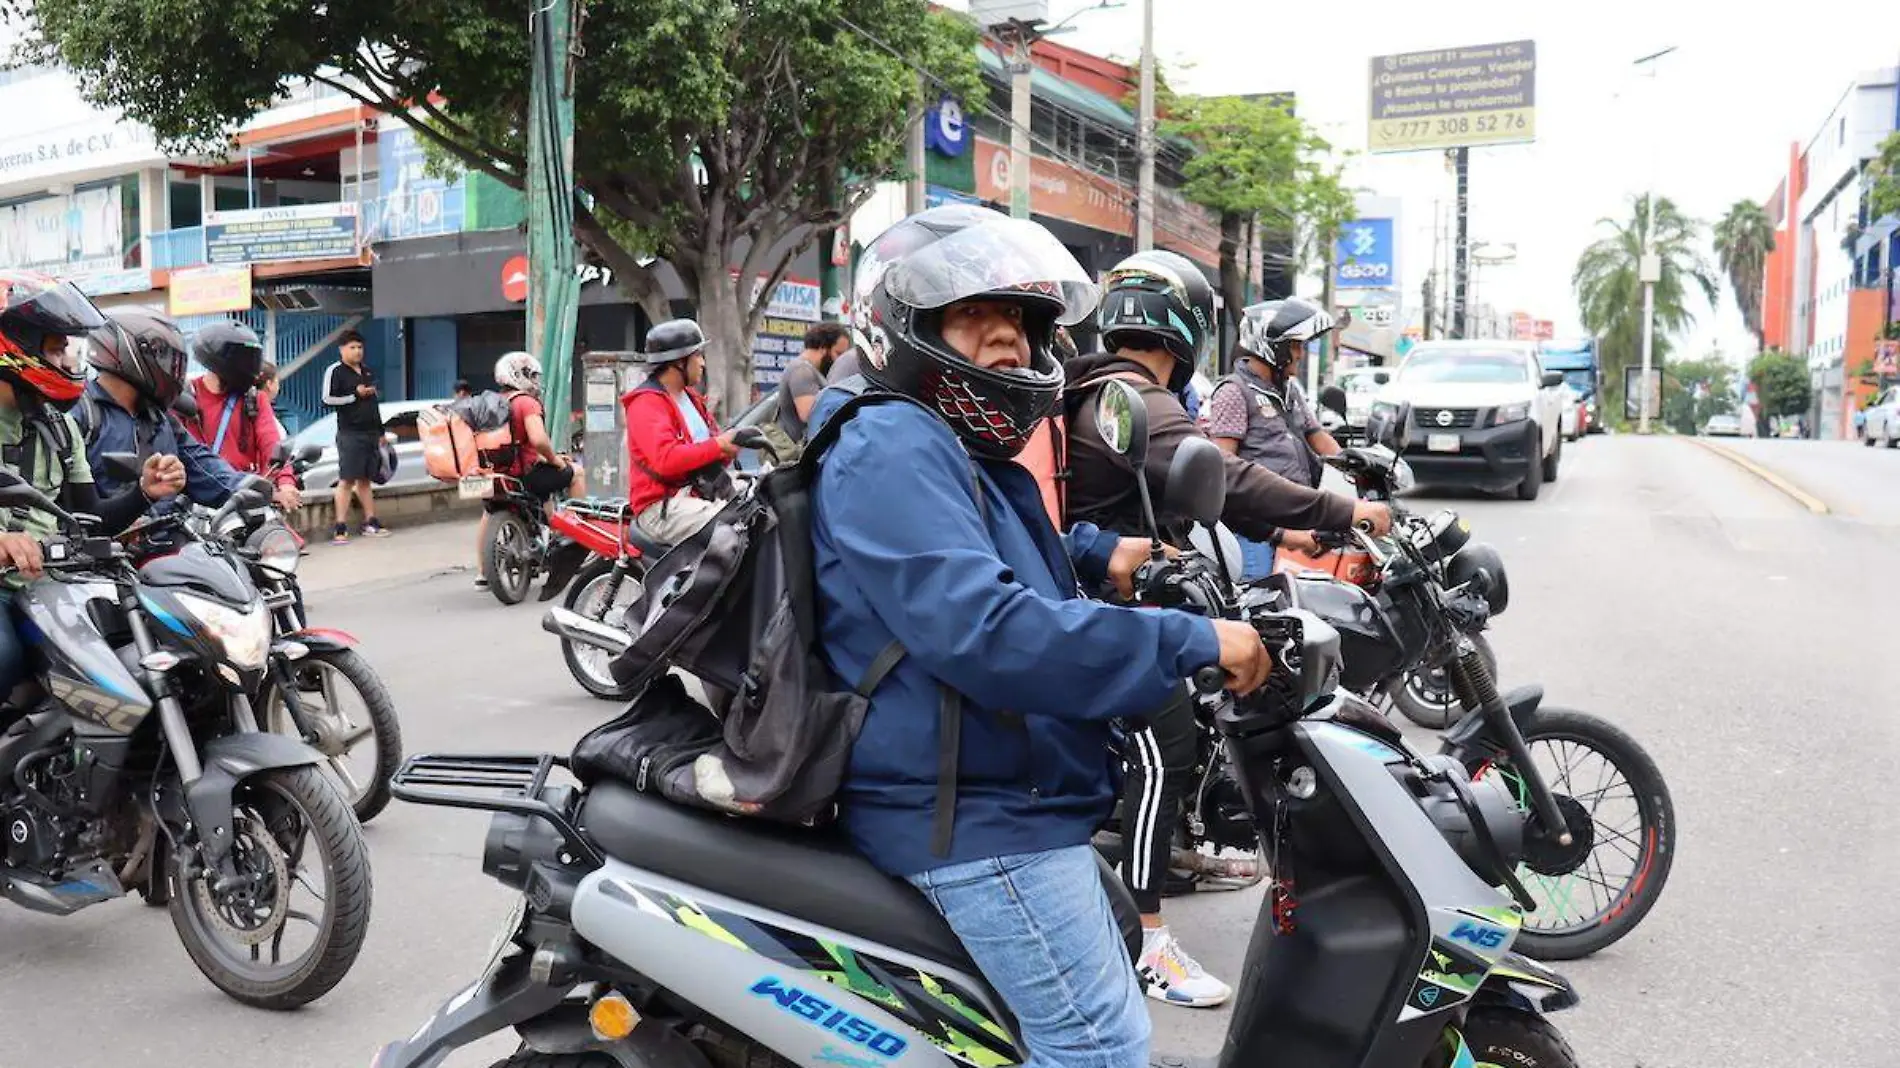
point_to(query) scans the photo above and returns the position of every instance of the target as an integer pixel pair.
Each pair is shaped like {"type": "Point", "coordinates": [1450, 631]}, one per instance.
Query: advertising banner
{"type": "Point", "coordinates": [1452, 98]}
{"type": "Point", "coordinates": [264, 235]}
{"type": "Point", "coordinates": [1363, 256]}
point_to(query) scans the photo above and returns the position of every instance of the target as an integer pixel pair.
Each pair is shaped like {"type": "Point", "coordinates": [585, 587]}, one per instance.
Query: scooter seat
{"type": "Point", "coordinates": [814, 876]}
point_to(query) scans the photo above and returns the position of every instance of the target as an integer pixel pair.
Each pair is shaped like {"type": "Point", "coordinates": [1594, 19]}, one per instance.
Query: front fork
{"type": "Point", "coordinates": [1472, 681]}
{"type": "Point", "coordinates": [287, 615]}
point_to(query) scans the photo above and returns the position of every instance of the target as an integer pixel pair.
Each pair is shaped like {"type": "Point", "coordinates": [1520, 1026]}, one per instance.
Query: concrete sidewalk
{"type": "Point", "coordinates": [408, 553]}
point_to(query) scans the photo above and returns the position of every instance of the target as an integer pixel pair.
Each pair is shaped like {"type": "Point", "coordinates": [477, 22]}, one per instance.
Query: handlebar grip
{"type": "Point", "coordinates": [748, 438]}
{"type": "Point", "coordinates": [1210, 679]}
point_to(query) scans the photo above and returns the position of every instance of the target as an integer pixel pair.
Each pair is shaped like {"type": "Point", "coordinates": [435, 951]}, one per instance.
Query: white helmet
{"type": "Point", "coordinates": [518, 370]}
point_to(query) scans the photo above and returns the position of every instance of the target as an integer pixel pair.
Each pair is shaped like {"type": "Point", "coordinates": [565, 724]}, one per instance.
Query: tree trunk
{"type": "Point", "coordinates": [1233, 291]}
{"type": "Point", "coordinates": [728, 382]}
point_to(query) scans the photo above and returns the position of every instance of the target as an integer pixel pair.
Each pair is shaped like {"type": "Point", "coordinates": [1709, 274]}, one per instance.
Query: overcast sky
{"type": "Point", "coordinates": [1717, 120]}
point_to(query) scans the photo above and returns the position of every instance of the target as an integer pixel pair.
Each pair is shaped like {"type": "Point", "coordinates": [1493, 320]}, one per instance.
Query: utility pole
{"type": "Point", "coordinates": [1461, 250]}
{"type": "Point", "coordinates": [1021, 36]}
{"type": "Point", "coordinates": [914, 159]}
{"type": "Point", "coordinates": [1649, 267]}
{"type": "Point", "coordinates": [1145, 135]}
{"type": "Point", "coordinates": [554, 284]}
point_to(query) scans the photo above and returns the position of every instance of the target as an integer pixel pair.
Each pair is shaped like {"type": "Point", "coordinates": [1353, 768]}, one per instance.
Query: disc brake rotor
{"type": "Point", "coordinates": [256, 854]}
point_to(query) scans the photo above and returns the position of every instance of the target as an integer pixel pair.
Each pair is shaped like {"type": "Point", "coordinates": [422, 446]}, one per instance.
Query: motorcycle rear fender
{"type": "Point", "coordinates": [509, 995]}
{"type": "Point", "coordinates": [565, 560]}
{"type": "Point", "coordinates": [323, 639]}
{"type": "Point", "coordinates": [229, 760]}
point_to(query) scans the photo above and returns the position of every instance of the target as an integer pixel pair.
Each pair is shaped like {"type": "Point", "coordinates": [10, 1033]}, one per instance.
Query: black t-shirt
{"type": "Point", "coordinates": [353, 413]}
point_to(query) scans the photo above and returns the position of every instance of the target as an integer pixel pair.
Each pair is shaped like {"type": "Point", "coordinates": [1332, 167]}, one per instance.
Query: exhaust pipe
{"type": "Point", "coordinates": [578, 628]}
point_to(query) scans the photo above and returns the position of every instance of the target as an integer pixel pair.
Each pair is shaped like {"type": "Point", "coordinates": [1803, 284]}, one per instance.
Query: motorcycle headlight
{"type": "Point", "coordinates": [1513, 413]}
{"type": "Point", "coordinates": [243, 635]}
{"type": "Point", "coordinates": [278, 548]}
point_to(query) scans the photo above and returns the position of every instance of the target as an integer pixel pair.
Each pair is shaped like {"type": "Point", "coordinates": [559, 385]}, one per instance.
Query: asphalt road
{"type": "Point", "coordinates": [1736, 635]}
{"type": "Point", "coordinates": [1859, 483]}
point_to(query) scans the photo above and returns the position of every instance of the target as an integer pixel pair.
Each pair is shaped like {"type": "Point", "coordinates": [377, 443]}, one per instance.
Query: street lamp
{"type": "Point", "coordinates": [1649, 266]}
{"type": "Point", "coordinates": [1487, 254]}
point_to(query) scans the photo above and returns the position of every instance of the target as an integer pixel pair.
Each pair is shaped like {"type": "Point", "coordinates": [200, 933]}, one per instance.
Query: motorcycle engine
{"type": "Point", "coordinates": [33, 838]}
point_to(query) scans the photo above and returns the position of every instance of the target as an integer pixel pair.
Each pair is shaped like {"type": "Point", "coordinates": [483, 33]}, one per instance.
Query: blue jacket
{"type": "Point", "coordinates": [984, 600]}
{"type": "Point", "coordinates": [208, 479]}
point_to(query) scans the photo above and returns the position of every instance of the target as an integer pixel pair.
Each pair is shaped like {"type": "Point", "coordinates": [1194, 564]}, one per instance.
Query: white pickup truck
{"type": "Point", "coordinates": [1485, 413]}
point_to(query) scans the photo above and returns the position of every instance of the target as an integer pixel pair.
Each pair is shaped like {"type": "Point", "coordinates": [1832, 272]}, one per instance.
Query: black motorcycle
{"type": "Point", "coordinates": [134, 759]}
{"type": "Point", "coordinates": [1593, 877]}
{"type": "Point", "coordinates": [314, 671]}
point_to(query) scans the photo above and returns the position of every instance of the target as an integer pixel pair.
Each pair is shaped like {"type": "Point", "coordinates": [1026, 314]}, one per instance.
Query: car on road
{"type": "Point", "coordinates": [1485, 414]}
{"type": "Point", "coordinates": [399, 428]}
{"type": "Point", "coordinates": [1883, 420]}
{"type": "Point", "coordinates": [1722, 425]}
{"type": "Point", "coordinates": [1362, 386]}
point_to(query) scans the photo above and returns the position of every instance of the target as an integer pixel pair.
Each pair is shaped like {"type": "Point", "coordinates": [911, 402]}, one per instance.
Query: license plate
{"type": "Point", "coordinates": [476, 487]}
{"type": "Point", "coordinates": [1442, 443]}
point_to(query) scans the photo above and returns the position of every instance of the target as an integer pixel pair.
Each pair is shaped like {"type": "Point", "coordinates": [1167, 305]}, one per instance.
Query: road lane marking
{"type": "Point", "coordinates": [1800, 496]}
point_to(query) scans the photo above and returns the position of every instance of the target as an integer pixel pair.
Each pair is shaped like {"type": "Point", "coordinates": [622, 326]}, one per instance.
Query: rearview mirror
{"type": "Point", "coordinates": [281, 454]}
{"type": "Point", "coordinates": [1197, 481]}
{"type": "Point", "coordinates": [16, 492]}
{"type": "Point", "coordinates": [123, 466]}
{"type": "Point", "coordinates": [1553, 379]}
{"type": "Point", "coordinates": [309, 454]}
{"type": "Point", "coordinates": [1122, 420]}
{"type": "Point", "coordinates": [1333, 399]}
{"type": "Point", "coordinates": [1390, 425]}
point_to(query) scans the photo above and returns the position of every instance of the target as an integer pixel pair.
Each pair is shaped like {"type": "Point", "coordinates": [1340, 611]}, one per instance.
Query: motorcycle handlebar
{"type": "Point", "coordinates": [1210, 679]}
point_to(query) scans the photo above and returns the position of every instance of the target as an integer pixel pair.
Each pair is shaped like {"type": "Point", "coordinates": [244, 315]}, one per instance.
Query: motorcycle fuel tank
{"type": "Point", "coordinates": [80, 668]}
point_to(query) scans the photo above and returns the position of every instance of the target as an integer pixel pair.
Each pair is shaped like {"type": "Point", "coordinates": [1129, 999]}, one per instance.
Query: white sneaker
{"type": "Point", "coordinates": [1169, 974]}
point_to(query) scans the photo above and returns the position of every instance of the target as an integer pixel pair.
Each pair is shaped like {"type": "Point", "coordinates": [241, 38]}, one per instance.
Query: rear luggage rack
{"type": "Point", "coordinates": [491, 782]}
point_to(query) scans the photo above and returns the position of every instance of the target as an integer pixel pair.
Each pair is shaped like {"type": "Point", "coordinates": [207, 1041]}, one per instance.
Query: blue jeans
{"type": "Point", "coordinates": [12, 650]}
{"type": "Point", "coordinates": [1256, 559]}
{"type": "Point", "coordinates": [1040, 927]}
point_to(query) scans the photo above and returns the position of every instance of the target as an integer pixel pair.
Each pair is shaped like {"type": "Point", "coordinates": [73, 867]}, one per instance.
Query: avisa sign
{"type": "Point", "coordinates": [1363, 256]}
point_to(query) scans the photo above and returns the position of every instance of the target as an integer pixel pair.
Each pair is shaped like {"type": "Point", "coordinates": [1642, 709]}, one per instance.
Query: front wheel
{"type": "Point", "coordinates": [1509, 1039]}
{"type": "Point", "coordinates": [289, 827]}
{"type": "Point", "coordinates": [1593, 892]}
{"type": "Point", "coordinates": [1552, 461]}
{"type": "Point", "coordinates": [362, 737]}
{"type": "Point", "coordinates": [1424, 694]}
{"type": "Point", "coordinates": [587, 596]}
{"type": "Point", "coordinates": [507, 558]}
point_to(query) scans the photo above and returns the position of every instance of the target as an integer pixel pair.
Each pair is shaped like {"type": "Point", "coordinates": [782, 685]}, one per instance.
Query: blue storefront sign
{"type": "Point", "coordinates": [944, 128]}
{"type": "Point", "coordinates": [410, 202]}
{"type": "Point", "coordinates": [1363, 257]}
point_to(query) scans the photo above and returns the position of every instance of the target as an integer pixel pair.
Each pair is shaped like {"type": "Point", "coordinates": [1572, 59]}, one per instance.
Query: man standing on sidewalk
{"type": "Point", "coordinates": [804, 377]}
{"type": "Point", "coordinates": [349, 389]}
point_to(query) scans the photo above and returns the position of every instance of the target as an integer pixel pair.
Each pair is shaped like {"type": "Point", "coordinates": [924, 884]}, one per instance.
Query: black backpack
{"type": "Point", "coordinates": [734, 606]}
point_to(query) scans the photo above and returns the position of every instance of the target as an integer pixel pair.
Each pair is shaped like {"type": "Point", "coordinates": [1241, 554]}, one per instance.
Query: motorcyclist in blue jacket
{"type": "Point", "coordinates": [984, 764]}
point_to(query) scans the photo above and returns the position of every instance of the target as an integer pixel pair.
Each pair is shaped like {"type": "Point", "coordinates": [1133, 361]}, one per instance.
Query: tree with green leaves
{"type": "Point", "coordinates": [1694, 390]}
{"type": "Point", "coordinates": [1781, 382]}
{"type": "Point", "coordinates": [720, 135]}
{"type": "Point", "coordinates": [1883, 179]}
{"type": "Point", "coordinates": [1743, 239]}
{"type": "Point", "coordinates": [1254, 158]}
{"type": "Point", "coordinates": [1609, 288]}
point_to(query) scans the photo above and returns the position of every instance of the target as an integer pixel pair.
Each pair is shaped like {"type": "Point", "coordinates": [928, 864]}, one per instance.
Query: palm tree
{"type": "Point", "coordinates": [1610, 289]}
{"type": "Point", "coordinates": [1743, 240]}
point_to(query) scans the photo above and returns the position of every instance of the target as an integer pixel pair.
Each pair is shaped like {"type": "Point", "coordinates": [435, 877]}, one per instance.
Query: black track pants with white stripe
{"type": "Point", "coordinates": [1160, 762]}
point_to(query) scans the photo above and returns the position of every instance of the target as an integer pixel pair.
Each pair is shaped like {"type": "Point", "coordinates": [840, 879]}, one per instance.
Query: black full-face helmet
{"type": "Point", "coordinates": [1159, 299]}
{"type": "Point", "coordinates": [1275, 331]}
{"type": "Point", "coordinates": [921, 266]}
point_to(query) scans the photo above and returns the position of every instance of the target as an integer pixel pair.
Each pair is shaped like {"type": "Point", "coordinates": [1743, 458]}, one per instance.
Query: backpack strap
{"type": "Point", "coordinates": [943, 818]}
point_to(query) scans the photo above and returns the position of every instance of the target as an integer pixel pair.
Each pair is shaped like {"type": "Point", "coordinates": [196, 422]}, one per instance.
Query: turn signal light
{"type": "Point", "coordinates": [612, 1018]}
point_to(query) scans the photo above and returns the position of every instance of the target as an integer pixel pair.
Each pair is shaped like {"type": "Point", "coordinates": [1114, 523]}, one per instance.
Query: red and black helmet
{"type": "Point", "coordinates": [145, 349]}
{"type": "Point", "coordinates": [33, 309]}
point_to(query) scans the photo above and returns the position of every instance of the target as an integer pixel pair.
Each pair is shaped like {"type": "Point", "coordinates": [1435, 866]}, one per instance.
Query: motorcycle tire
{"type": "Point", "coordinates": [385, 727]}
{"type": "Point", "coordinates": [346, 901]}
{"type": "Point", "coordinates": [528, 1058]}
{"type": "Point", "coordinates": [1657, 834]}
{"type": "Point", "coordinates": [508, 586]}
{"type": "Point", "coordinates": [596, 570]}
{"type": "Point", "coordinates": [1505, 1036]}
{"type": "Point", "coordinates": [1414, 705]}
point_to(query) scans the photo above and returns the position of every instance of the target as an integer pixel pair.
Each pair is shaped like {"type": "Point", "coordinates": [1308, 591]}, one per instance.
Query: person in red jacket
{"type": "Point", "coordinates": [234, 418]}
{"type": "Point", "coordinates": [675, 449]}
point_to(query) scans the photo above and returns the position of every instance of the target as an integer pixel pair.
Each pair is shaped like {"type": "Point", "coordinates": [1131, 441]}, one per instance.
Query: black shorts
{"type": "Point", "coordinates": [358, 455]}
{"type": "Point", "coordinates": [544, 479]}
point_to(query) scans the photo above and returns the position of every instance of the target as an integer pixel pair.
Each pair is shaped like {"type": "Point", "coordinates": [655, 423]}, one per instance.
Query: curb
{"type": "Point", "coordinates": [1800, 496]}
